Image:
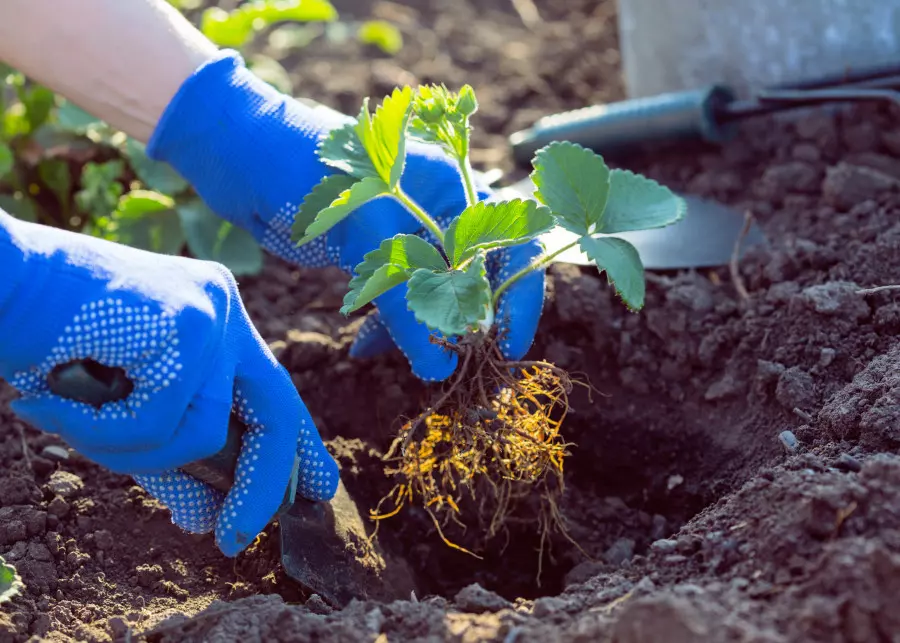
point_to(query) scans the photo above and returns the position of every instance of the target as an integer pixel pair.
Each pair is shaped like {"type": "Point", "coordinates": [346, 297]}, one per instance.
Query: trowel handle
{"type": "Point", "coordinates": [93, 383]}
{"type": "Point", "coordinates": [218, 469]}
{"type": "Point", "coordinates": [603, 128]}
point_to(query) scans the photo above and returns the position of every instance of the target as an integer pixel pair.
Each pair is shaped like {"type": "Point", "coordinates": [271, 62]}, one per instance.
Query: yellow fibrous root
{"type": "Point", "coordinates": [491, 442]}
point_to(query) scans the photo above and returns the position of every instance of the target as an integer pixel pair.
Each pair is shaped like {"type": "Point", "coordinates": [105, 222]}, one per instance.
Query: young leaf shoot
{"type": "Point", "coordinates": [450, 291]}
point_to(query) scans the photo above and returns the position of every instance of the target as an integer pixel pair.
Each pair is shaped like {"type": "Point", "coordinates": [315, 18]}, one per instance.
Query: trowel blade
{"type": "Point", "coordinates": [325, 548]}
{"type": "Point", "coordinates": [705, 237]}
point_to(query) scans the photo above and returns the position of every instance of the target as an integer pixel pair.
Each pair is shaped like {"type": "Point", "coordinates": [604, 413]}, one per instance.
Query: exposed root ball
{"type": "Point", "coordinates": [489, 444]}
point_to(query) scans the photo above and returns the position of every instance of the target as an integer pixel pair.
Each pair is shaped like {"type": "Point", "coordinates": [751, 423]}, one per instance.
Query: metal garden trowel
{"type": "Point", "coordinates": [324, 545]}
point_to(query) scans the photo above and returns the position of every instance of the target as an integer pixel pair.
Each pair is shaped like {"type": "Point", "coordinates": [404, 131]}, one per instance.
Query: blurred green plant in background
{"type": "Point", "coordinates": [61, 166]}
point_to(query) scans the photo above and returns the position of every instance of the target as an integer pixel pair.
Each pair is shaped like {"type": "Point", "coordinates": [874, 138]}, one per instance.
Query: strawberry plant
{"type": "Point", "coordinates": [496, 430]}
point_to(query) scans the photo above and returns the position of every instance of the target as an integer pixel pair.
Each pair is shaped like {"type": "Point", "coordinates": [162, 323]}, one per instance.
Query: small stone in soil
{"type": "Point", "coordinates": [664, 545]}
{"type": "Point", "coordinates": [316, 605]}
{"type": "Point", "coordinates": [847, 462]}
{"type": "Point", "coordinates": [620, 552]}
{"type": "Point", "coordinates": [836, 298]}
{"type": "Point", "coordinates": [548, 605]}
{"type": "Point", "coordinates": [826, 357]}
{"type": "Point", "coordinates": [117, 627]}
{"type": "Point", "coordinates": [768, 371]}
{"type": "Point", "coordinates": [58, 507]}
{"type": "Point", "coordinates": [55, 452]}
{"type": "Point", "coordinates": [788, 440]}
{"type": "Point", "coordinates": [474, 598]}
{"type": "Point", "coordinates": [795, 389]}
{"type": "Point", "coordinates": [846, 184]}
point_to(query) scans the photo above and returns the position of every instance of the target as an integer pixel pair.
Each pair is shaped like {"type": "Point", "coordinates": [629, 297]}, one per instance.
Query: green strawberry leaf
{"type": "Point", "coordinates": [382, 34]}
{"type": "Point", "coordinates": [343, 150]}
{"type": "Point", "coordinates": [38, 101]}
{"type": "Point", "coordinates": [638, 203]}
{"type": "Point", "coordinates": [389, 265]}
{"type": "Point", "coordinates": [493, 225]}
{"type": "Point", "coordinates": [11, 584]}
{"type": "Point", "coordinates": [383, 134]}
{"type": "Point", "coordinates": [155, 175]}
{"type": "Point", "coordinates": [451, 302]}
{"type": "Point", "coordinates": [20, 206]}
{"type": "Point", "coordinates": [148, 220]}
{"type": "Point", "coordinates": [621, 263]}
{"type": "Point", "coordinates": [72, 118]}
{"type": "Point", "coordinates": [349, 200]}
{"type": "Point", "coordinates": [574, 183]}
{"type": "Point", "coordinates": [236, 28]}
{"type": "Point", "coordinates": [139, 203]}
{"type": "Point", "coordinates": [226, 29]}
{"type": "Point", "coordinates": [211, 238]}
{"type": "Point", "coordinates": [292, 10]}
{"type": "Point", "coordinates": [7, 160]}
{"type": "Point", "coordinates": [57, 176]}
{"type": "Point", "coordinates": [100, 188]}
{"type": "Point", "coordinates": [320, 198]}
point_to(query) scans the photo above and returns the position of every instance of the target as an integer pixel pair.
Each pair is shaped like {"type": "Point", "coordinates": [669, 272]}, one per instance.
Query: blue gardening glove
{"type": "Point", "coordinates": [250, 152]}
{"type": "Point", "coordinates": [178, 329]}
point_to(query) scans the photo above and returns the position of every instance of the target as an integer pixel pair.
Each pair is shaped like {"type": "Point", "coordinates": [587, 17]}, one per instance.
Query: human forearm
{"type": "Point", "coordinates": [121, 60]}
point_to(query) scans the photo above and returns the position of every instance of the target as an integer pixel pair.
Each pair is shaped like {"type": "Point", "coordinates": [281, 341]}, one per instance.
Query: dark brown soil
{"type": "Point", "coordinates": [700, 523]}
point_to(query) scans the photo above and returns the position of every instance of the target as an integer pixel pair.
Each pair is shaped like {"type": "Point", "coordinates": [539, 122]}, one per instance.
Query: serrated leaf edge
{"type": "Point", "coordinates": [342, 198]}
{"type": "Point", "coordinates": [609, 280]}
{"type": "Point", "coordinates": [362, 273]}
{"type": "Point", "coordinates": [449, 237]}
{"type": "Point", "coordinates": [321, 186]}
{"type": "Point", "coordinates": [682, 204]}
{"type": "Point", "coordinates": [535, 162]}
{"type": "Point", "coordinates": [486, 294]}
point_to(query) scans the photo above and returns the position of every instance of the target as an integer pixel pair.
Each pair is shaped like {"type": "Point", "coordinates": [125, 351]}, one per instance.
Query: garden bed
{"type": "Point", "coordinates": [700, 523]}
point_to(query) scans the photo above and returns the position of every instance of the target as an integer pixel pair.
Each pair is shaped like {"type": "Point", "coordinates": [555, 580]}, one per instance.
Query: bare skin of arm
{"type": "Point", "coordinates": [120, 60]}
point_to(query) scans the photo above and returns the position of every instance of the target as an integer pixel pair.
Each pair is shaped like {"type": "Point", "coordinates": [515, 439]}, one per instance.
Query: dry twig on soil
{"type": "Point", "coordinates": [734, 265]}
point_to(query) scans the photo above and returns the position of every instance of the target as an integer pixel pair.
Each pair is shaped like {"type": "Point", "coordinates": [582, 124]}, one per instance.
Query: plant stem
{"type": "Point", "coordinates": [465, 169]}
{"type": "Point", "coordinates": [420, 214]}
{"type": "Point", "coordinates": [540, 262]}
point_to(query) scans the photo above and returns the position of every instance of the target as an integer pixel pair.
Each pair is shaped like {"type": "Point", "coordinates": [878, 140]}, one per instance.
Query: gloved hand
{"type": "Point", "coordinates": [250, 152]}
{"type": "Point", "coordinates": [179, 330]}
